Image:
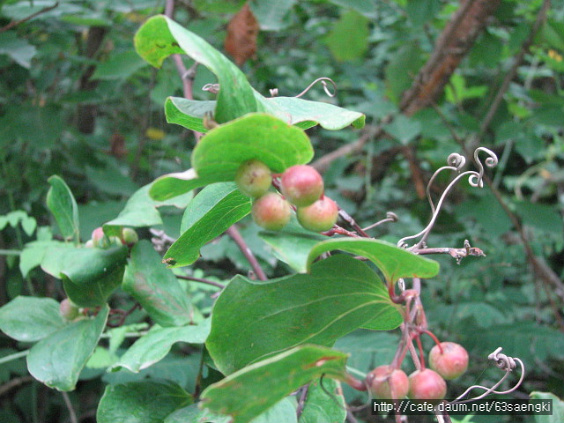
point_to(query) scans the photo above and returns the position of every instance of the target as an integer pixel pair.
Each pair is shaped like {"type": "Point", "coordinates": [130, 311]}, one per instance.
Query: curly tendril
{"type": "Point", "coordinates": [455, 163]}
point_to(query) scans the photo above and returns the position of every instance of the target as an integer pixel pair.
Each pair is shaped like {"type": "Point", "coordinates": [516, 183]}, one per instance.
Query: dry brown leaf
{"type": "Point", "coordinates": [242, 31]}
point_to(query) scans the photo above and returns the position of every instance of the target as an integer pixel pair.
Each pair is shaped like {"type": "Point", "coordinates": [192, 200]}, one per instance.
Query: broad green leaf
{"type": "Point", "coordinates": [348, 39]}
{"type": "Point", "coordinates": [89, 275]}
{"type": "Point", "coordinates": [399, 72]}
{"type": "Point", "coordinates": [252, 390]}
{"type": "Point", "coordinates": [255, 136]}
{"type": "Point", "coordinates": [557, 415]}
{"type": "Point", "coordinates": [270, 15]}
{"type": "Point", "coordinates": [62, 205]}
{"type": "Point", "coordinates": [159, 37]}
{"type": "Point", "coordinates": [393, 262]}
{"type": "Point", "coordinates": [156, 344]}
{"type": "Point", "coordinates": [219, 154]}
{"type": "Point", "coordinates": [292, 245]}
{"type": "Point", "coordinates": [193, 413]}
{"type": "Point", "coordinates": [156, 288]}
{"type": "Point", "coordinates": [211, 213]}
{"type": "Point", "coordinates": [367, 7]}
{"type": "Point", "coordinates": [30, 319]}
{"type": "Point", "coordinates": [340, 295]}
{"type": "Point", "coordinates": [540, 216]}
{"type": "Point", "coordinates": [188, 113]}
{"type": "Point", "coordinates": [319, 407]}
{"type": "Point", "coordinates": [58, 359]}
{"type": "Point", "coordinates": [120, 66]}
{"type": "Point", "coordinates": [141, 210]}
{"type": "Point", "coordinates": [147, 401]}
{"type": "Point", "coordinates": [403, 129]}
{"type": "Point", "coordinates": [17, 48]}
{"type": "Point", "coordinates": [295, 111]}
{"type": "Point", "coordinates": [33, 253]}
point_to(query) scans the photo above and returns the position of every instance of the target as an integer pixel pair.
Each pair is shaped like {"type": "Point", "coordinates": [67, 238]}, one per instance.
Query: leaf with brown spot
{"type": "Point", "coordinates": [242, 31]}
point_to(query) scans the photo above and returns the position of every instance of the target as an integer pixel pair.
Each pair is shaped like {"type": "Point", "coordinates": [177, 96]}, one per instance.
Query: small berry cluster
{"type": "Point", "coordinates": [447, 360]}
{"type": "Point", "coordinates": [99, 239]}
{"type": "Point", "coordinates": [301, 186]}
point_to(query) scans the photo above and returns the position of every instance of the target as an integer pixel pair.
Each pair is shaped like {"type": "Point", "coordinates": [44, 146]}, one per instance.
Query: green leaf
{"type": "Point", "coordinates": [120, 66]}
{"type": "Point", "coordinates": [30, 319]}
{"type": "Point", "coordinates": [210, 214]}
{"type": "Point", "coordinates": [17, 48]}
{"type": "Point", "coordinates": [319, 407]}
{"type": "Point", "coordinates": [193, 413]}
{"type": "Point", "coordinates": [33, 253]}
{"type": "Point", "coordinates": [540, 216]}
{"type": "Point", "coordinates": [188, 113]}
{"type": "Point", "coordinates": [348, 39]}
{"type": "Point", "coordinates": [399, 72]}
{"type": "Point", "coordinates": [155, 287]}
{"type": "Point", "coordinates": [403, 129]}
{"type": "Point", "coordinates": [58, 359]}
{"type": "Point", "coordinates": [147, 401]}
{"type": "Point", "coordinates": [340, 295]}
{"type": "Point", "coordinates": [295, 111]}
{"type": "Point", "coordinates": [557, 415]}
{"type": "Point", "coordinates": [253, 389]}
{"type": "Point", "coordinates": [219, 154]}
{"type": "Point", "coordinates": [292, 245]}
{"type": "Point", "coordinates": [62, 205]}
{"type": "Point", "coordinates": [270, 15]}
{"type": "Point", "coordinates": [421, 11]}
{"type": "Point", "coordinates": [159, 37]}
{"type": "Point", "coordinates": [156, 344]}
{"type": "Point", "coordinates": [89, 275]}
{"type": "Point", "coordinates": [367, 7]}
{"type": "Point", "coordinates": [393, 262]}
{"type": "Point", "coordinates": [141, 210]}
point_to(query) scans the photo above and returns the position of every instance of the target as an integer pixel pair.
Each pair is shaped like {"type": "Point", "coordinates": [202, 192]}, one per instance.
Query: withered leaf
{"type": "Point", "coordinates": [242, 31]}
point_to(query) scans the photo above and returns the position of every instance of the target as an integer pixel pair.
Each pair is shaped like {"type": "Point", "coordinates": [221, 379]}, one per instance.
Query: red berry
{"type": "Point", "coordinates": [385, 382]}
{"type": "Point", "coordinates": [271, 211]}
{"type": "Point", "coordinates": [320, 216]}
{"type": "Point", "coordinates": [302, 185]}
{"type": "Point", "coordinates": [453, 361]}
{"type": "Point", "coordinates": [253, 178]}
{"type": "Point", "coordinates": [97, 236]}
{"type": "Point", "coordinates": [426, 384]}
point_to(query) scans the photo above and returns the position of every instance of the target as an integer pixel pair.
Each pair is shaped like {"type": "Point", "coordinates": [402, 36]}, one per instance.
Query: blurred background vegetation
{"type": "Point", "coordinates": [77, 101]}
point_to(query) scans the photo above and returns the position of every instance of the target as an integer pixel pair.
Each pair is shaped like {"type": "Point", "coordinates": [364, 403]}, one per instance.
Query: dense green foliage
{"type": "Point", "coordinates": [92, 135]}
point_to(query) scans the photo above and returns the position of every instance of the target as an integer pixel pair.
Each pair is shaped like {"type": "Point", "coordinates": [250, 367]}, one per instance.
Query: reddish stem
{"type": "Point", "coordinates": [432, 335]}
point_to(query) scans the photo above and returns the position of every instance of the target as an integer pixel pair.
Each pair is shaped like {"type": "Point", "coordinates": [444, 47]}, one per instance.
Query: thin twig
{"type": "Point", "coordinates": [235, 235]}
{"type": "Point", "coordinates": [68, 403]}
{"type": "Point", "coordinates": [14, 383]}
{"type": "Point", "coordinates": [206, 281]}
{"type": "Point", "coordinates": [16, 23]}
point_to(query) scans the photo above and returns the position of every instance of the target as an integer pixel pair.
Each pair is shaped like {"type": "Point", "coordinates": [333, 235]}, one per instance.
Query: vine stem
{"type": "Point", "coordinates": [235, 235]}
{"type": "Point", "coordinates": [200, 280]}
{"type": "Point", "coordinates": [12, 357]}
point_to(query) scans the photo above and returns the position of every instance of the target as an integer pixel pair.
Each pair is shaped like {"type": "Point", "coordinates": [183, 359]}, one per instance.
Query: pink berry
{"type": "Point", "coordinates": [319, 216]}
{"type": "Point", "coordinates": [426, 384]}
{"type": "Point", "coordinates": [385, 382]}
{"type": "Point", "coordinates": [451, 363]}
{"type": "Point", "coordinates": [302, 185]}
{"type": "Point", "coordinates": [271, 211]}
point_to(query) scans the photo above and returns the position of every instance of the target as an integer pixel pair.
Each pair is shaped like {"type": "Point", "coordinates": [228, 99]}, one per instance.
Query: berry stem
{"type": "Point", "coordinates": [435, 339]}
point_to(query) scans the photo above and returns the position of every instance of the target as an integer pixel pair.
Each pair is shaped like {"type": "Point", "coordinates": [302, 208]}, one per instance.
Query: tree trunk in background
{"type": "Point", "coordinates": [451, 47]}
{"type": "Point", "coordinates": [86, 113]}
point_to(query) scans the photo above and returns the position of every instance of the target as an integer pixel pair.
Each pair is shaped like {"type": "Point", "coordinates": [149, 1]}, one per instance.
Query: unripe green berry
{"type": "Point", "coordinates": [271, 211]}
{"type": "Point", "coordinates": [68, 310]}
{"type": "Point", "coordinates": [302, 185]}
{"type": "Point", "coordinates": [253, 178]}
{"type": "Point", "coordinates": [129, 236]}
{"type": "Point", "coordinates": [319, 216]}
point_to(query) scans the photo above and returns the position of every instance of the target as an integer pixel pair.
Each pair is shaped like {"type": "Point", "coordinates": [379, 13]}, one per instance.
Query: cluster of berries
{"type": "Point", "coordinates": [301, 186]}
{"type": "Point", "coordinates": [447, 361]}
